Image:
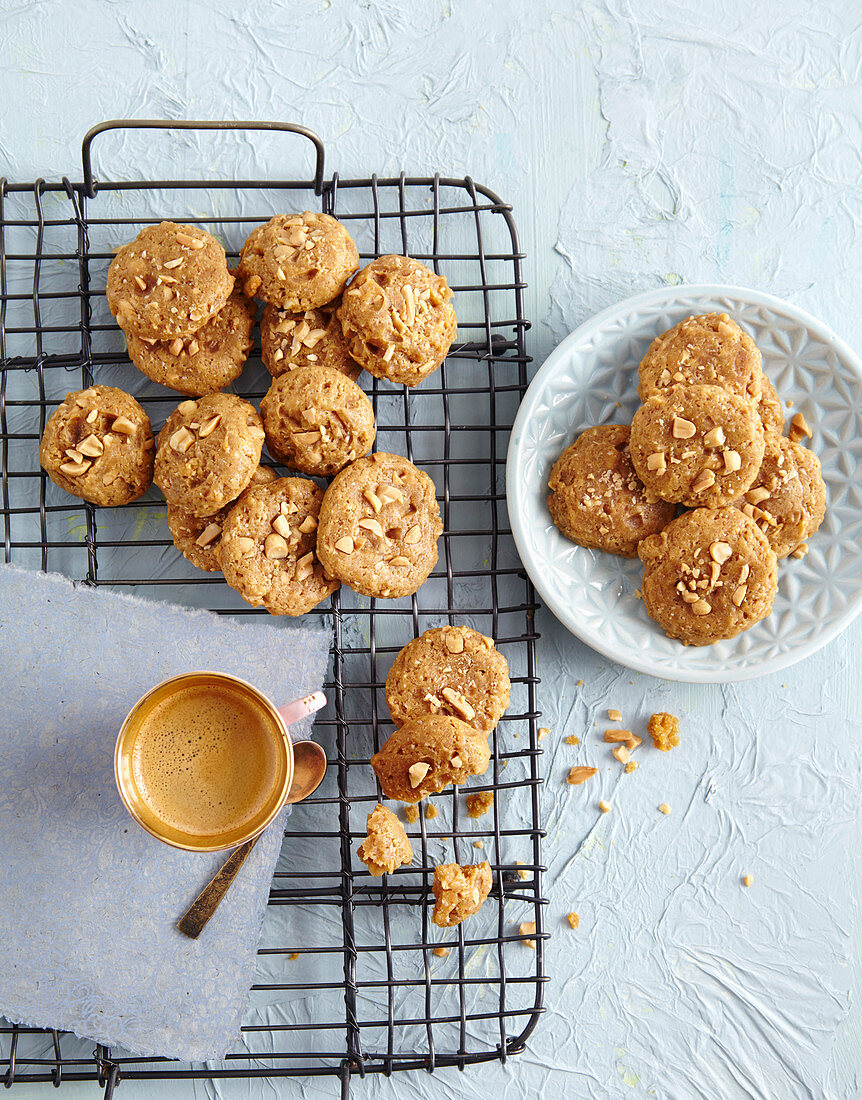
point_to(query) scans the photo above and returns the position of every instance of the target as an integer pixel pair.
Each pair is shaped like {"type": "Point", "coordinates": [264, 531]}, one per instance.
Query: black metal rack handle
{"type": "Point", "coordinates": [91, 184]}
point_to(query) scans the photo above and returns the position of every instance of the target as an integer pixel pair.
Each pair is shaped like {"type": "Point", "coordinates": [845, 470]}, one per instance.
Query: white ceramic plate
{"type": "Point", "coordinates": [590, 379]}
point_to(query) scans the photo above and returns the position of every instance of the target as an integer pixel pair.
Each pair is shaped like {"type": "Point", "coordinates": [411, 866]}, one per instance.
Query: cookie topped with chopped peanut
{"type": "Point", "coordinates": [313, 338]}
{"type": "Point", "coordinates": [428, 753]}
{"type": "Point", "coordinates": [459, 892]}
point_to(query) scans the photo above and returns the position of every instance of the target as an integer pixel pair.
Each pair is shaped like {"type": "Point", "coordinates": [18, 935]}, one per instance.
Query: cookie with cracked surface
{"type": "Point", "coordinates": [700, 446]}
{"type": "Point", "coordinates": [387, 845]}
{"type": "Point", "coordinates": [450, 670]}
{"type": "Point", "coordinates": [398, 319]}
{"type": "Point", "coordinates": [313, 338]}
{"type": "Point", "coordinates": [709, 350]}
{"type": "Point", "coordinates": [788, 499]}
{"type": "Point", "coordinates": [297, 261]}
{"type": "Point", "coordinates": [708, 576]}
{"type": "Point", "coordinates": [769, 408]}
{"type": "Point", "coordinates": [427, 754]}
{"type": "Point", "coordinates": [316, 420]}
{"type": "Point", "coordinates": [597, 499]}
{"type": "Point", "coordinates": [198, 538]}
{"type": "Point", "coordinates": [207, 452]}
{"type": "Point", "coordinates": [268, 547]}
{"type": "Point", "coordinates": [98, 445]}
{"type": "Point", "coordinates": [169, 281]}
{"type": "Point", "coordinates": [205, 362]}
{"type": "Point", "coordinates": [379, 526]}
{"type": "Point", "coordinates": [459, 892]}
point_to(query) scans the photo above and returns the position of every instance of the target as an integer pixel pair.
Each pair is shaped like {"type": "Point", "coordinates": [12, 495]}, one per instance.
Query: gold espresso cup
{"type": "Point", "coordinates": [270, 721]}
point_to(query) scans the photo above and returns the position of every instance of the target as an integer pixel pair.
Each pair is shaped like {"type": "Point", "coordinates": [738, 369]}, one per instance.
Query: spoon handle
{"type": "Point", "coordinates": [192, 922]}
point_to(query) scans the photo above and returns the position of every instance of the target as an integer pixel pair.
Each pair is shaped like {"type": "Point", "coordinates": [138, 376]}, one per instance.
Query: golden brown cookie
{"type": "Point", "coordinates": [267, 547]}
{"type": "Point", "coordinates": [769, 408]}
{"type": "Point", "coordinates": [427, 754]}
{"type": "Point", "coordinates": [314, 338]}
{"type": "Point", "coordinates": [450, 670]}
{"type": "Point", "coordinates": [198, 538]}
{"type": "Point", "coordinates": [788, 499]}
{"type": "Point", "coordinates": [386, 846]}
{"type": "Point", "coordinates": [297, 261]}
{"type": "Point", "coordinates": [207, 452]}
{"type": "Point", "coordinates": [379, 526]}
{"type": "Point", "coordinates": [169, 281]}
{"type": "Point", "coordinates": [709, 575]}
{"type": "Point", "coordinates": [205, 362]}
{"type": "Point", "coordinates": [710, 350]}
{"type": "Point", "coordinates": [316, 420]}
{"type": "Point", "coordinates": [598, 500]}
{"type": "Point", "coordinates": [459, 892]}
{"type": "Point", "coordinates": [398, 319]}
{"type": "Point", "coordinates": [700, 446]}
{"type": "Point", "coordinates": [98, 445]}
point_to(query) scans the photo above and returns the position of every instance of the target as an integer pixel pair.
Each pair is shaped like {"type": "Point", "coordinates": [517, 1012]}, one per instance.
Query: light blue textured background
{"type": "Point", "coordinates": [641, 143]}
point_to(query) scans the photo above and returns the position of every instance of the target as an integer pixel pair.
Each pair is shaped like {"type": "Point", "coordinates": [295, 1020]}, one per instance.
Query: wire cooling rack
{"type": "Point", "coordinates": [348, 981]}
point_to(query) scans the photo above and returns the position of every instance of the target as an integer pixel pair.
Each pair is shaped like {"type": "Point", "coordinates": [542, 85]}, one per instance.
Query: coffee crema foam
{"type": "Point", "coordinates": [205, 759]}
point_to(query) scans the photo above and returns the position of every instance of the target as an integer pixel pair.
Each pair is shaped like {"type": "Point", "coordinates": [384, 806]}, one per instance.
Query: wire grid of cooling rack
{"type": "Point", "coordinates": [348, 982]}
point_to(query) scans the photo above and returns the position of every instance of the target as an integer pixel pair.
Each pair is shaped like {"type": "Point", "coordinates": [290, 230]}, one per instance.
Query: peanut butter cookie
{"type": "Point", "coordinates": [314, 338]}
{"type": "Point", "coordinates": [708, 576]}
{"type": "Point", "coordinates": [198, 538]}
{"type": "Point", "coordinates": [450, 670]}
{"type": "Point", "coordinates": [386, 846]}
{"type": "Point", "coordinates": [169, 281]}
{"type": "Point", "coordinates": [205, 362]}
{"type": "Point", "coordinates": [427, 754]}
{"type": "Point", "coordinates": [788, 499]}
{"type": "Point", "coordinates": [598, 500]}
{"type": "Point", "coordinates": [459, 892]}
{"type": "Point", "coordinates": [700, 446]}
{"type": "Point", "coordinates": [316, 420]}
{"type": "Point", "coordinates": [710, 350]}
{"type": "Point", "coordinates": [207, 452]}
{"type": "Point", "coordinates": [267, 548]}
{"type": "Point", "coordinates": [769, 408]}
{"type": "Point", "coordinates": [98, 445]}
{"type": "Point", "coordinates": [379, 526]}
{"type": "Point", "coordinates": [297, 261]}
{"type": "Point", "coordinates": [398, 319]}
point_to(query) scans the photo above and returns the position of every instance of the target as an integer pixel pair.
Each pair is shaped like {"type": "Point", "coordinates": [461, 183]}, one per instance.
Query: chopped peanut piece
{"type": "Point", "coordinates": [622, 754]}
{"type": "Point", "coordinates": [605, 807]}
{"type": "Point", "coordinates": [799, 429]}
{"type": "Point", "coordinates": [525, 928]}
{"type": "Point", "coordinates": [747, 880]}
{"type": "Point", "coordinates": [523, 875]}
{"type": "Point", "coordinates": [431, 811]}
{"type": "Point", "coordinates": [441, 952]}
{"type": "Point", "coordinates": [543, 733]}
{"type": "Point", "coordinates": [615, 716]}
{"type": "Point", "coordinates": [664, 730]}
{"type": "Point", "coordinates": [573, 919]}
{"type": "Point", "coordinates": [664, 808]}
{"type": "Point", "coordinates": [578, 775]}
{"type": "Point", "coordinates": [293, 956]}
{"type": "Point", "coordinates": [629, 739]}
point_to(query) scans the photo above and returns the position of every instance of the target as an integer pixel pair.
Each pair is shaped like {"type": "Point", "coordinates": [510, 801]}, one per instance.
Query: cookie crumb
{"type": "Point", "coordinates": [479, 803]}
{"type": "Point", "coordinates": [523, 875]}
{"type": "Point", "coordinates": [292, 956]}
{"type": "Point", "coordinates": [664, 808]}
{"type": "Point", "coordinates": [572, 740]}
{"type": "Point", "coordinates": [605, 807]}
{"type": "Point", "coordinates": [747, 880]}
{"type": "Point", "coordinates": [431, 811]}
{"type": "Point", "coordinates": [411, 814]}
{"type": "Point", "coordinates": [543, 733]}
{"type": "Point", "coordinates": [578, 775]}
{"type": "Point", "coordinates": [631, 766]}
{"type": "Point", "coordinates": [615, 715]}
{"type": "Point", "coordinates": [580, 683]}
{"type": "Point", "coordinates": [441, 952]}
{"type": "Point", "coordinates": [478, 843]}
{"type": "Point", "coordinates": [664, 731]}
{"type": "Point", "coordinates": [525, 928]}
{"type": "Point", "coordinates": [573, 919]}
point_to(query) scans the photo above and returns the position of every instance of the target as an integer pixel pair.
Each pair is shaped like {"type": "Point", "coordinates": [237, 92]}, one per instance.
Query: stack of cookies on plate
{"type": "Point", "coordinates": [281, 542]}
{"type": "Point", "coordinates": [706, 442]}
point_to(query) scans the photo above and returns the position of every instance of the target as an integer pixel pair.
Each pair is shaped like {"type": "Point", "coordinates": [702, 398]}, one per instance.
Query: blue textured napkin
{"type": "Point", "coordinates": [89, 901]}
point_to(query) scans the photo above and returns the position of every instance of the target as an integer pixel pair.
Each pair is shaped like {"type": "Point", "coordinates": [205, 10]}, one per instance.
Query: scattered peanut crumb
{"type": "Point", "coordinates": [431, 811]}
{"type": "Point", "coordinates": [629, 739]}
{"type": "Point", "coordinates": [605, 807]}
{"type": "Point", "coordinates": [292, 956]}
{"type": "Point", "coordinates": [615, 715]}
{"type": "Point", "coordinates": [800, 551]}
{"type": "Point", "coordinates": [543, 733]}
{"type": "Point", "coordinates": [572, 740]}
{"type": "Point", "coordinates": [411, 814]}
{"type": "Point", "coordinates": [798, 429]}
{"type": "Point", "coordinates": [478, 843]}
{"type": "Point", "coordinates": [580, 683]}
{"type": "Point", "coordinates": [622, 754]}
{"type": "Point", "coordinates": [441, 952]}
{"type": "Point", "coordinates": [664, 808]}
{"type": "Point", "coordinates": [789, 403]}
{"type": "Point", "coordinates": [526, 927]}
{"type": "Point", "coordinates": [573, 919]}
{"type": "Point", "coordinates": [631, 766]}
{"type": "Point", "coordinates": [479, 803]}
{"type": "Point", "coordinates": [578, 775]}
{"type": "Point", "coordinates": [522, 874]}
{"type": "Point", "coordinates": [664, 730]}
{"type": "Point", "coordinates": [747, 880]}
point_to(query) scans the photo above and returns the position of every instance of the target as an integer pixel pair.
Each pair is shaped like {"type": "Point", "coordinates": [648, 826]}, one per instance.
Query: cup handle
{"type": "Point", "coordinates": [309, 759]}
{"type": "Point", "coordinates": [300, 708]}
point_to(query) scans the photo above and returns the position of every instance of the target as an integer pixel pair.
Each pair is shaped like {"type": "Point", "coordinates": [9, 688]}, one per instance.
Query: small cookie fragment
{"type": "Point", "coordinates": [386, 846]}
{"type": "Point", "coordinates": [427, 754]}
{"type": "Point", "coordinates": [398, 320]}
{"type": "Point", "coordinates": [297, 261]}
{"type": "Point", "coordinates": [664, 730]}
{"type": "Point", "coordinates": [411, 814]}
{"type": "Point", "coordinates": [98, 445]}
{"type": "Point", "coordinates": [573, 919]}
{"type": "Point", "coordinates": [597, 500]}
{"type": "Point", "coordinates": [317, 421]}
{"type": "Point", "coordinates": [313, 338]}
{"type": "Point", "coordinates": [480, 803]}
{"type": "Point", "coordinates": [450, 670]}
{"type": "Point", "coordinates": [459, 892]}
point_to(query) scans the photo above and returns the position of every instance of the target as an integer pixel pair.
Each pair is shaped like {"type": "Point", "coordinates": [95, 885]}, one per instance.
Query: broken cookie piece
{"type": "Point", "coordinates": [459, 892]}
{"type": "Point", "coordinates": [664, 731]}
{"type": "Point", "coordinates": [386, 845]}
{"type": "Point", "coordinates": [427, 754]}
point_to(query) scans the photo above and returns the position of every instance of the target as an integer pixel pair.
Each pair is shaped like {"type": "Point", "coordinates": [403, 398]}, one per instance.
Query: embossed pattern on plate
{"type": "Point", "coordinates": [590, 378]}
